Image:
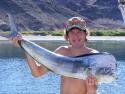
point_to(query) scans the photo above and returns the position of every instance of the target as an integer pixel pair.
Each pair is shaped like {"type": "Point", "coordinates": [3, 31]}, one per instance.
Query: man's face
{"type": "Point", "coordinates": [76, 37]}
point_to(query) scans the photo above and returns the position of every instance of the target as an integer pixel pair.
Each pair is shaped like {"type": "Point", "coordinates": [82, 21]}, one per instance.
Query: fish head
{"type": "Point", "coordinates": [105, 74]}
{"type": "Point", "coordinates": [107, 65]}
{"type": "Point", "coordinates": [105, 70]}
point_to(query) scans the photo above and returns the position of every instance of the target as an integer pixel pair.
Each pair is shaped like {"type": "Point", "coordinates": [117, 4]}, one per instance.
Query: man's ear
{"type": "Point", "coordinates": [66, 37]}
{"type": "Point", "coordinates": [86, 33]}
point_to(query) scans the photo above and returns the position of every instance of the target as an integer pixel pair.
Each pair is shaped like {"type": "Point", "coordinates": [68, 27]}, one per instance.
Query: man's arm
{"type": "Point", "coordinates": [36, 70]}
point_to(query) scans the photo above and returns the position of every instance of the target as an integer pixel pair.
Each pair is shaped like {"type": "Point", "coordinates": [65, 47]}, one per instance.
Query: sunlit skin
{"type": "Point", "coordinates": [77, 40]}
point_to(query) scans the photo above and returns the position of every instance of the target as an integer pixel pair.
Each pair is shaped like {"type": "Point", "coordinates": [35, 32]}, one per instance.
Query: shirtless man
{"type": "Point", "coordinates": [75, 34]}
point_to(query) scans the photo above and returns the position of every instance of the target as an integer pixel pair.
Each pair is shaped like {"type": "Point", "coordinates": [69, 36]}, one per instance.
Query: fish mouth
{"type": "Point", "coordinates": [106, 78]}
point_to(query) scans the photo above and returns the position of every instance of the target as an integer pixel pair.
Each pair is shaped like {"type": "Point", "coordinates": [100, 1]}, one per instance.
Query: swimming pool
{"type": "Point", "coordinates": [15, 76]}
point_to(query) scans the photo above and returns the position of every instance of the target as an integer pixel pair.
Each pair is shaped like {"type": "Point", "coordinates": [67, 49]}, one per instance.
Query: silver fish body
{"type": "Point", "coordinates": [101, 65]}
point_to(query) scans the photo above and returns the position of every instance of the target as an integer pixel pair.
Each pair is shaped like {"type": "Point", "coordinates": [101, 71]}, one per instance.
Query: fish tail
{"type": "Point", "coordinates": [13, 29]}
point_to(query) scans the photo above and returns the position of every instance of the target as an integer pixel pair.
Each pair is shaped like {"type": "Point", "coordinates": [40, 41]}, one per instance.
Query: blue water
{"type": "Point", "coordinates": [15, 78]}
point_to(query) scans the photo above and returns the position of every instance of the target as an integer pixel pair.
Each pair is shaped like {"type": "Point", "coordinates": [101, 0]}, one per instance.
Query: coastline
{"type": "Point", "coordinates": [49, 37]}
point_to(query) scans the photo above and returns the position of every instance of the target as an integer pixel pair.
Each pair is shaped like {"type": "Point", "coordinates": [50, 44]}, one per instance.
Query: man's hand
{"type": "Point", "coordinates": [14, 40]}
{"type": "Point", "coordinates": [91, 84]}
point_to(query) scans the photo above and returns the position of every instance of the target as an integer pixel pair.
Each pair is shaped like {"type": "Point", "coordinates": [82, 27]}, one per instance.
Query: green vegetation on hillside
{"type": "Point", "coordinates": [108, 33]}
{"type": "Point", "coordinates": [44, 33]}
{"type": "Point", "coordinates": [100, 32]}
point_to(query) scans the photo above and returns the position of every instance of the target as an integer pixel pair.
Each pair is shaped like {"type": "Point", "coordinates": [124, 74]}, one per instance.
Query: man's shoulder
{"type": "Point", "coordinates": [62, 50]}
{"type": "Point", "coordinates": [93, 50]}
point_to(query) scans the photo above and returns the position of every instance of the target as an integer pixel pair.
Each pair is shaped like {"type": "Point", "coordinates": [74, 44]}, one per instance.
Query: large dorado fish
{"type": "Point", "coordinates": [101, 65]}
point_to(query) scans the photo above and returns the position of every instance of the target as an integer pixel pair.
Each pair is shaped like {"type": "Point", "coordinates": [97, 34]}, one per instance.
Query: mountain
{"type": "Point", "coordinates": [52, 14]}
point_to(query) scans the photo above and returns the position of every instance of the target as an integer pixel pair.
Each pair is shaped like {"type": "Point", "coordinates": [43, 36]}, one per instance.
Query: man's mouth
{"type": "Point", "coordinates": [76, 40]}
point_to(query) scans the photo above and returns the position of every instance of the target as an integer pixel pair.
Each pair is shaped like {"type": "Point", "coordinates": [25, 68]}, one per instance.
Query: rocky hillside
{"type": "Point", "coordinates": [52, 14]}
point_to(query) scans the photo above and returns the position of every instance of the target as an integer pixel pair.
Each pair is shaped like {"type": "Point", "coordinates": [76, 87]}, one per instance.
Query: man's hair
{"type": "Point", "coordinates": [75, 22]}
